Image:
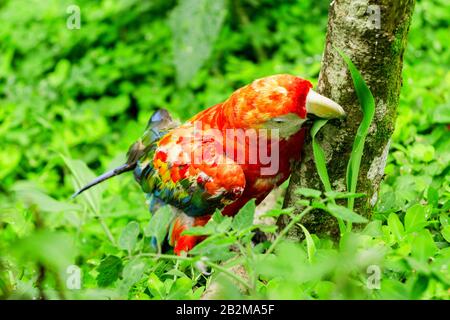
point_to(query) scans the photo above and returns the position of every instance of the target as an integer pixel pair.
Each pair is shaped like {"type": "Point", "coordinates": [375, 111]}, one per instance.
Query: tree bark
{"type": "Point", "coordinates": [373, 34]}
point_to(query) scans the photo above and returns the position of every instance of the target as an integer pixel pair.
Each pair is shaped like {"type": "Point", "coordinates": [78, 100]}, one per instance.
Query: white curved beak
{"type": "Point", "coordinates": [322, 106]}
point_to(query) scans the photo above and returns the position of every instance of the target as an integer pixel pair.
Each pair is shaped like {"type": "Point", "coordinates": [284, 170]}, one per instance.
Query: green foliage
{"type": "Point", "coordinates": [158, 226]}
{"type": "Point", "coordinates": [244, 219]}
{"type": "Point", "coordinates": [368, 108]}
{"type": "Point", "coordinates": [53, 249]}
{"type": "Point", "coordinates": [128, 237]}
{"type": "Point", "coordinates": [109, 271]}
{"type": "Point", "coordinates": [345, 214]}
{"type": "Point", "coordinates": [87, 94]}
{"type": "Point", "coordinates": [367, 102]}
{"type": "Point", "coordinates": [195, 26]}
{"type": "Point", "coordinates": [319, 155]}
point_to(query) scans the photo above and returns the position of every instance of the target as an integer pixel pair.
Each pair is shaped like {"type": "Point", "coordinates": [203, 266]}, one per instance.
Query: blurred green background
{"type": "Point", "coordinates": [87, 94]}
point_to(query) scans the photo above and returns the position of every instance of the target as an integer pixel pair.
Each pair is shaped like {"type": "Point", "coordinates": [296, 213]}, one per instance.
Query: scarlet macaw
{"type": "Point", "coordinates": [215, 160]}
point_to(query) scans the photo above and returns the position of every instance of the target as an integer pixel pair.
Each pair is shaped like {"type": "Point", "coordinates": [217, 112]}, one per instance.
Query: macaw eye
{"type": "Point", "coordinates": [278, 120]}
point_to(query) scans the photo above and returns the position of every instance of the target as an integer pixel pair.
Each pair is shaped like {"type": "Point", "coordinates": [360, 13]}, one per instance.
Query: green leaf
{"type": "Point", "coordinates": [215, 248]}
{"type": "Point", "coordinates": [318, 205]}
{"type": "Point", "coordinates": [217, 217]}
{"type": "Point", "coordinates": [302, 203]}
{"type": "Point", "coordinates": [199, 231]}
{"type": "Point", "coordinates": [433, 197]}
{"type": "Point", "coordinates": [308, 193]}
{"type": "Point", "coordinates": [175, 272]}
{"type": "Point", "coordinates": [109, 271]}
{"type": "Point", "coordinates": [345, 214]}
{"type": "Point", "coordinates": [446, 233]}
{"type": "Point", "coordinates": [311, 247]}
{"type": "Point", "coordinates": [321, 165]}
{"type": "Point", "coordinates": [195, 26]}
{"type": "Point", "coordinates": [159, 223]}
{"type": "Point", "coordinates": [10, 156]}
{"type": "Point", "coordinates": [387, 201]}
{"type": "Point", "coordinates": [444, 219]}
{"type": "Point", "coordinates": [132, 273]}
{"type": "Point", "coordinates": [216, 225]}
{"type": "Point", "coordinates": [325, 289]}
{"type": "Point", "coordinates": [60, 74]}
{"type": "Point", "coordinates": [343, 195]}
{"type": "Point", "coordinates": [156, 286]}
{"type": "Point", "coordinates": [441, 114]}
{"type": "Point", "coordinates": [419, 266]}
{"type": "Point", "coordinates": [275, 213]}
{"type": "Point", "coordinates": [419, 287]}
{"type": "Point", "coordinates": [110, 106]}
{"type": "Point", "coordinates": [181, 289]}
{"type": "Point", "coordinates": [55, 250]}
{"type": "Point", "coordinates": [16, 219]}
{"type": "Point", "coordinates": [415, 218]}
{"type": "Point", "coordinates": [396, 226]}
{"type": "Point", "coordinates": [220, 222]}
{"type": "Point", "coordinates": [422, 152]}
{"type": "Point", "coordinates": [423, 246]}
{"type": "Point", "coordinates": [319, 155]}
{"type": "Point", "coordinates": [83, 175]}
{"type": "Point", "coordinates": [373, 228]}
{"type": "Point", "coordinates": [367, 102]}
{"type": "Point", "coordinates": [28, 192]}
{"type": "Point", "coordinates": [394, 289]}
{"type": "Point", "coordinates": [244, 219]}
{"type": "Point", "coordinates": [129, 235]}
{"type": "Point", "coordinates": [267, 228]}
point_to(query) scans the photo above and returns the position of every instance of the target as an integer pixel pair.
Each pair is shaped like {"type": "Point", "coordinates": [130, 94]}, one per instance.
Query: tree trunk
{"type": "Point", "coordinates": [373, 34]}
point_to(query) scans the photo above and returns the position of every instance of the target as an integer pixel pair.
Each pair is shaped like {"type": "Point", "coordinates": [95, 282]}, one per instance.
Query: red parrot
{"type": "Point", "coordinates": [226, 155]}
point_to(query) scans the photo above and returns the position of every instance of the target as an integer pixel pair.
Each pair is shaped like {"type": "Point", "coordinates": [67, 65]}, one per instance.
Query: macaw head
{"type": "Point", "coordinates": [281, 102]}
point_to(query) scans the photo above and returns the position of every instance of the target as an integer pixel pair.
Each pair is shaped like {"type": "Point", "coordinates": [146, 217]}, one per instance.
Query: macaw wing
{"type": "Point", "coordinates": [187, 169]}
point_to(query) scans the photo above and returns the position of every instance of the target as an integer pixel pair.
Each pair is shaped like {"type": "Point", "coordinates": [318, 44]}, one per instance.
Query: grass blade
{"type": "Point", "coordinates": [310, 246]}
{"type": "Point", "coordinates": [367, 102]}
{"type": "Point", "coordinates": [321, 164]}
{"type": "Point", "coordinates": [82, 175]}
{"type": "Point", "coordinates": [345, 213]}
{"type": "Point", "coordinates": [319, 155]}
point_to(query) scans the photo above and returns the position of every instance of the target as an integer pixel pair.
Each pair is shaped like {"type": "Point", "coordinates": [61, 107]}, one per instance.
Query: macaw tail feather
{"type": "Point", "coordinates": [112, 173]}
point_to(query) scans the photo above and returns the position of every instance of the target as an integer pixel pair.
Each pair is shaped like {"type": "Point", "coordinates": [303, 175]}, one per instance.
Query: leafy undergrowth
{"type": "Point", "coordinates": [87, 94]}
{"type": "Point", "coordinates": [396, 256]}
